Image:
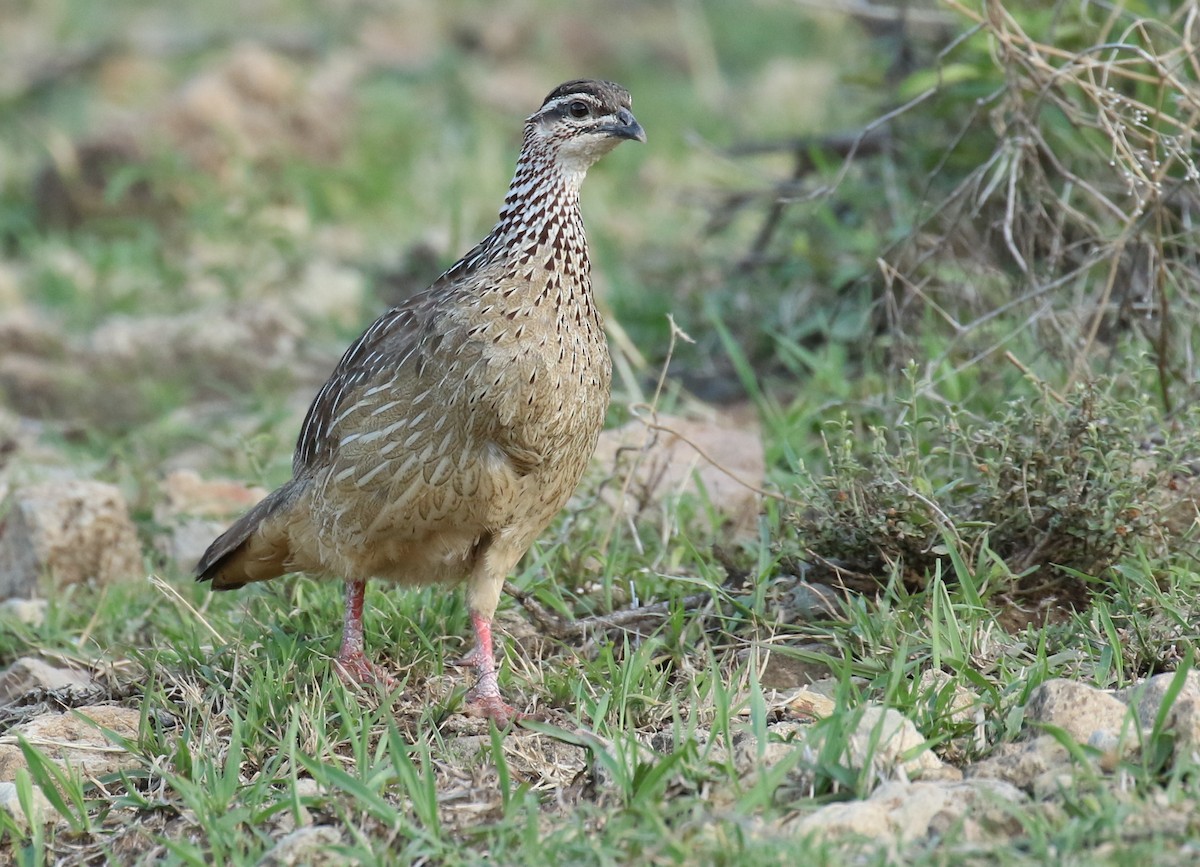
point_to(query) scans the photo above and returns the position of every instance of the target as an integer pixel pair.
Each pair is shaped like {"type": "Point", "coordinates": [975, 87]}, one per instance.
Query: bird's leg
{"type": "Point", "coordinates": [484, 698]}
{"type": "Point", "coordinates": [352, 665]}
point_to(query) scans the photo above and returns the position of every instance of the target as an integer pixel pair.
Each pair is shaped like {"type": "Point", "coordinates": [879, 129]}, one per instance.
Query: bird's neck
{"type": "Point", "coordinates": [541, 208]}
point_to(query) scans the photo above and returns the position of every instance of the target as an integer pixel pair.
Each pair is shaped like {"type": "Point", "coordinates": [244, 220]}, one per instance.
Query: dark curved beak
{"type": "Point", "coordinates": [626, 127]}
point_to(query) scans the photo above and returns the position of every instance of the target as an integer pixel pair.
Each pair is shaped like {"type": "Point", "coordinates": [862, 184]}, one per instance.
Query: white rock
{"type": "Point", "coordinates": [1184, 723]}
{"type": "Point", "coordinates": [654, 467]}
{"type": "Point", "coordinates": [73, 531]}
{"type": "Point", "coordinates": [963, 703]}
{"type": "Point", "coordinates": [1148, 696]}
{"type": "Point", "coordinates": [330, 292]}
{"type": "Point", "coordinates": [310, 845]}
{"type": "Point", "coordinates": [184, 492]}
{"type": "Point", "coordinates": [1022, 763]}
{"type": "Point", "coordinates": [1054, 783]}
{"type": "Point", "coordinates": [31, 612]}
{"type": "Point", "coordinates": [913, 807]}
{"type": "Point", "coordinates": [750, 757]}
{"type": "Point", "coordinates": [1079, 710]}
{"type": "Point", "coordinates": [30, 673]}
{"type": "Point", "coordinates": [10, 802]}
{"type": "Point", "coordinates": [187, 540]}
{"type": "Point", "coordinates": [236, 344]}
{"type": "Point", "coordinates": [858, 818]}
{"type": "Point", "coordinates": [74, 739]}
{"type": "Point", "coordinates": [807, 704]}
{"type": "Point", "coordinates": [885, 740]}
{"type": "Point", "coordinates": [193, 511]}
{"type": "Point", "coordinates": [907, 811]}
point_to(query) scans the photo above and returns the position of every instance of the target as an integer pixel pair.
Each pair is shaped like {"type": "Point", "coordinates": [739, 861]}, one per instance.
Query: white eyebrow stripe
{"type": "Point", "coordinates": [560, 101]}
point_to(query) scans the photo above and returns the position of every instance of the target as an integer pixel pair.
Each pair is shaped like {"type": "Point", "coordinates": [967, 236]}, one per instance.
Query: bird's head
{"type": "Point", "coordinates": [580, 121]}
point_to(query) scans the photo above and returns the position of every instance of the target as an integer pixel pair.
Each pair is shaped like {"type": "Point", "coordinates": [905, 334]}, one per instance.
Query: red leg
{"type": "Point", "coordinates": [484, 698]}
{"type": "Point", "coordinates": [352, 665]}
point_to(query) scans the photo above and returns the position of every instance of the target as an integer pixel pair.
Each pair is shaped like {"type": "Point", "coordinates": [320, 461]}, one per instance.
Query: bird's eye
{"type": "Point", "coordinates": [578, 109]}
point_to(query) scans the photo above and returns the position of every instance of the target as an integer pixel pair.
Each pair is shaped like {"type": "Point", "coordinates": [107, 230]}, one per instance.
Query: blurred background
{"type": "Point", "coordinates": [923, 276]}
{"type": "Point", "coordinates": [860, 213]}
{"type": "Point", "coordinates": [254, 182]}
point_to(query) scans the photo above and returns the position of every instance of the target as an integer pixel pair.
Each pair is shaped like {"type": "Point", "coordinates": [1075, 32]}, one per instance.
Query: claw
{"type": "Point", "coordinates": [491, 707]}
{"type": "Point", "coordinates": [470, 659]}
{"type": "Point", "coordinates": [354, 669]}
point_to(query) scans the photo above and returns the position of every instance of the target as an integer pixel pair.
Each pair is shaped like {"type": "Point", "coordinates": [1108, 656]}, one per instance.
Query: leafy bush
{"type": "Point", "coordinates": [1053, 491]}
{"type": "Point", "coordinates": [1031, 186]}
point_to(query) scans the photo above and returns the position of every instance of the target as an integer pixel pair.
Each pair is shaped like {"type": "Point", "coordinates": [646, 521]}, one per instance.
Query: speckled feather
{"type": "Point", "coordinates": [459, 423]}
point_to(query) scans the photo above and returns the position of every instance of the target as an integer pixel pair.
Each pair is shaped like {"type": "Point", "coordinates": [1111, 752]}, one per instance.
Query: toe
{"type": "Point", "coordinates": [356, 669]}
{"type": "Point", "coordinates": [491, 707]}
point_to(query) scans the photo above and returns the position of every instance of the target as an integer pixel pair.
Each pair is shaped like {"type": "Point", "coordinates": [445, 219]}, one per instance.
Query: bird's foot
{"type": "Point", "coordinates": [355, 669]}
{"type": "Point", "coordinates": [491, 707]}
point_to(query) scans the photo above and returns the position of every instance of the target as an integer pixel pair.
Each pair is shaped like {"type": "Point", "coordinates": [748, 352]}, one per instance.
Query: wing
{"type": "Point", "coordinates": [391, 340]}
{"type": "Point", "coordinates": [384, 345]}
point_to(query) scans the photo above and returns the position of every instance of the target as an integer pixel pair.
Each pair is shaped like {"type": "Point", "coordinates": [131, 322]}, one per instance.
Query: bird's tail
{"type": "Point", "coordinates": [255, 548]}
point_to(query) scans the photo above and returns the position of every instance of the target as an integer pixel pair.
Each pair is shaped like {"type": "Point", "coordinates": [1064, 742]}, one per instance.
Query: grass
{"type": "Point", "coordinates": [232, 724]}
{"type": "Point", "coordinates": [655, 740]}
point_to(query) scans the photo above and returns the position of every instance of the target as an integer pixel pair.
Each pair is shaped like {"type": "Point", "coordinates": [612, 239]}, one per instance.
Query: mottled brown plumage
{"type": "Point", "coordinates": [459, 423]}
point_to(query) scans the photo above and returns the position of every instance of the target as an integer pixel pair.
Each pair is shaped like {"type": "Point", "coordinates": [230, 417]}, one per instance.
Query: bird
{"type": "Point", "coordinates": [460, 422]}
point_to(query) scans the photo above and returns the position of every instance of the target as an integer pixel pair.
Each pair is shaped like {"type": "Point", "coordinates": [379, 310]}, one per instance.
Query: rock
{"type": "Point", "coordinates": [654, 466]}
{"type": "Point", "coordinates": [185, 493]}
{"type": "Point", "coordinates": [752, 759]}
{"type": "Point", "coordinates": [809, 705]}
{"type": "Point", "coordinates": [330, 292]}
{"type": "Point", "coordinates": [307, 787]}
{"type": "Point", "coordinates": [75, 739]}
{"type": "Point", "coordinates": [299, 817]}
{"type": "Point", "coordinates": [885, 741]}
{"type": "Point", "coordinates": [1079, 710]}
{"type": "Point", "coordinates": [858, 818]}
{"type": "Point", "coordinates": [194, 511]}
{"type": "Point", "coordinates": [911, 811]}
{"type": "Point", "coordinates": [186, 540]}
{"type": "Point", "coordinates": [1104, 721]}
{"type": "Point", "coordinates": [404, 37]}
{"type": "Point", "coordinates": [235, 345]}
{"type": "Point", "coordinates": [30, 673]}
{"type": "Point", "coordinates": [1147, 697]}
{"type": "Point", "coordinates": [1111, 747]}
{"type": "Point", "coordinates": [22, 332]}
{"type": "Point", "coordinates": [31, 612]}
{"type": "Point", "coordinates": [1022, 763]}
{"type": "Point", "coordinates": [72, 531]}
{"type": "Point", "coordinates": [1054, 784]}
{"type": "Point", "coordinates": [211, 350]}
{"type": "Point", "coordinates": [310, 845]}
{"type": "Point", "coordinates": [256, 106]}
{"type": "Point", "coordinates": [963, 706]}
{"type": "Point", "coordinates": [10, 802]}
{"type": "Point", "coordinates": [36, 386]}
{"type": "Point", "coordinates": [1184, 723]}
